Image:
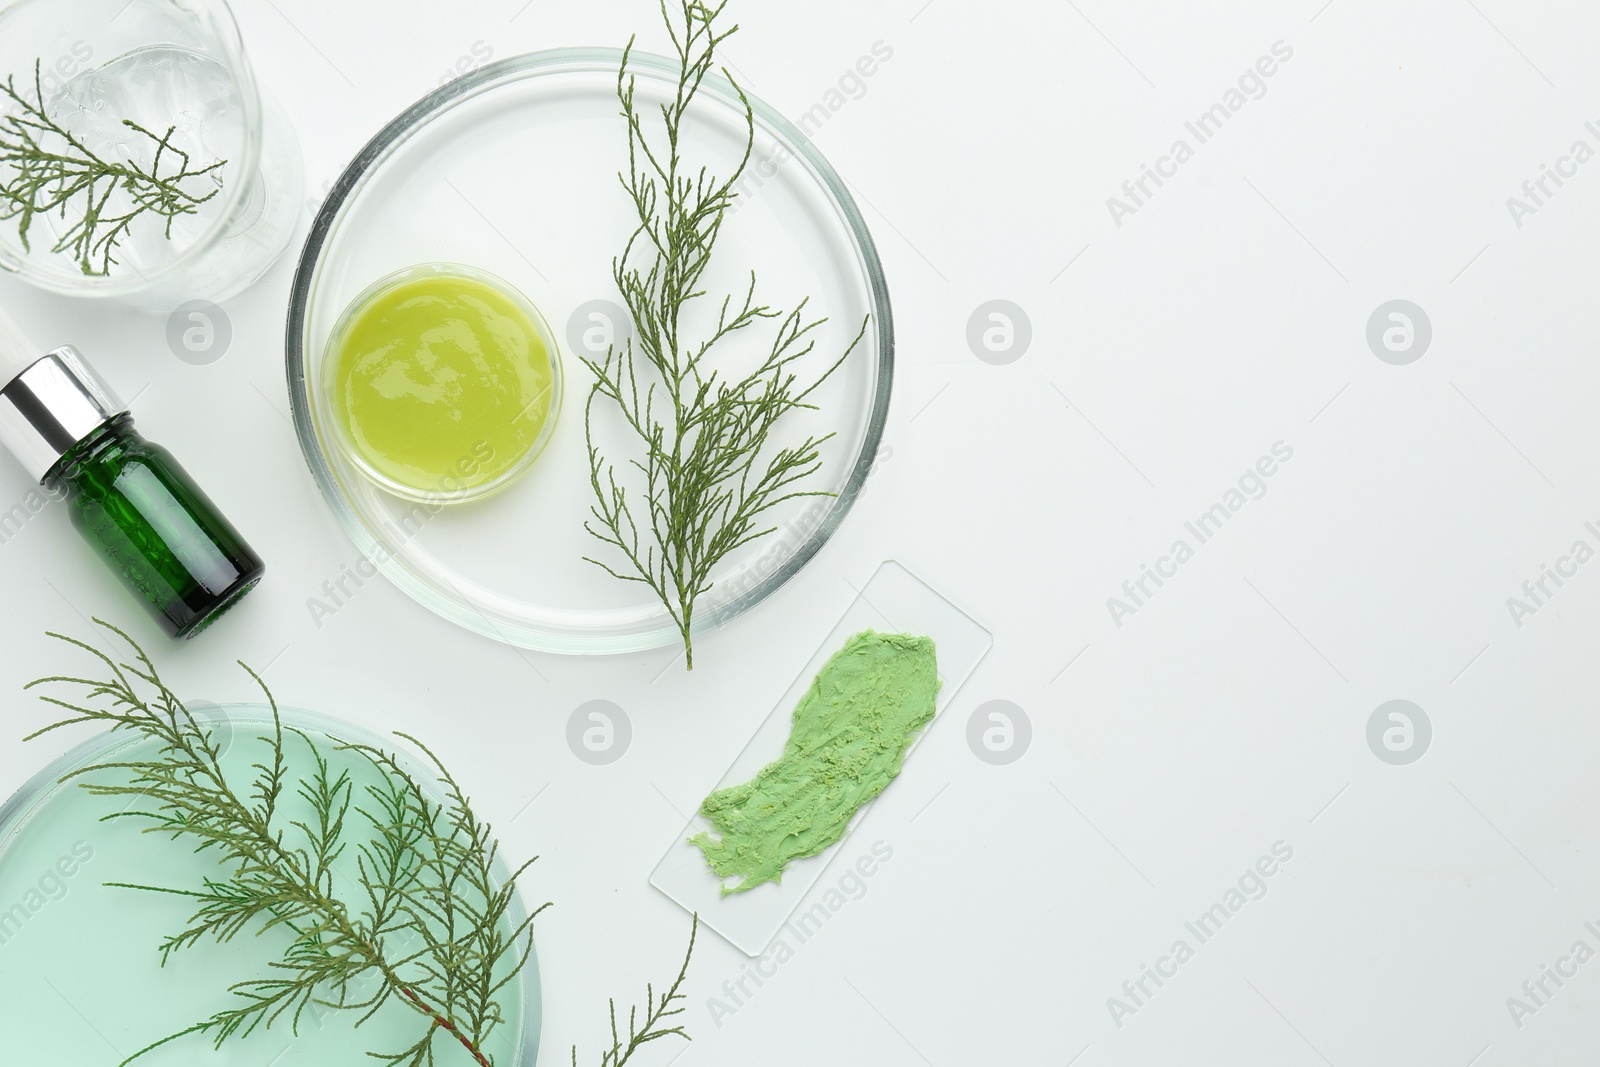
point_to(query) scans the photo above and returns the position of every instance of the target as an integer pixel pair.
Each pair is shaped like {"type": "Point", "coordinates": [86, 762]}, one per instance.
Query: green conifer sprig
{"type": "Point", "coordinates": [429, 925]}
{"type": "Point", "coordinates": [45, 169]}
{"type": "Point", "coordinates": [705, 465]}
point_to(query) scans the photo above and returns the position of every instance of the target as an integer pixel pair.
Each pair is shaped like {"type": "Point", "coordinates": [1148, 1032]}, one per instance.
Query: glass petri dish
{"type": "Point", "coordinates": [513, 170]}
{"type": "Point", "coordinates": [455, 485]}
{"type": "Point", "coordinates": [75, 951]}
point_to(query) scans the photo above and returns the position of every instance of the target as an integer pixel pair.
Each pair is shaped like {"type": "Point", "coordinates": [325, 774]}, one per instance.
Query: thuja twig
{"type": "Point", "coordinates": [52, 171]}
{"type": "Point", "coordinates": [656, 1012]}
{"type": "Point", "coordinates": [707, 467]}
{"type": "Point", "coordinates": [430, 922]}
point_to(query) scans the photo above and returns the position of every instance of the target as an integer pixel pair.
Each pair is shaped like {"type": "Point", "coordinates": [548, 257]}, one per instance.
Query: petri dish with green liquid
{"type": "Point", "coordinates": [444, 383]}
{"type": "Point", "coordinates": [80, 962]}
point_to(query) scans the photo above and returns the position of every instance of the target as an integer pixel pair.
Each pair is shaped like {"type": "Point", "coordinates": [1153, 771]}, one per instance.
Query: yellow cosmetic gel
{"type": "Point", "coordinates": [444, 382]}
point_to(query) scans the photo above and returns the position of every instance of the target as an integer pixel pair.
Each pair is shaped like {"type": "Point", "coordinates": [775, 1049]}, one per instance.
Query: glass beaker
{"type": "Point", "coordinates": [137, 158]}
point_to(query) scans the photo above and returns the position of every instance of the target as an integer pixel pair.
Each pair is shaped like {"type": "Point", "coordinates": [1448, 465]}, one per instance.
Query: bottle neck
{"type": "Point", "coordinates": [107, 439]}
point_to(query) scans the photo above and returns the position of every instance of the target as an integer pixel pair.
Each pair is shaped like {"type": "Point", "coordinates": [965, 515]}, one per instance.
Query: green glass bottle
{"type": "Point", "coordinates": [128, 497]}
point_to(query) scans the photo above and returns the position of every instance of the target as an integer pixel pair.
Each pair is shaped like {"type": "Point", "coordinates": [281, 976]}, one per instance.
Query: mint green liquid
{"type": "Point", "coordinates": [81, 979]}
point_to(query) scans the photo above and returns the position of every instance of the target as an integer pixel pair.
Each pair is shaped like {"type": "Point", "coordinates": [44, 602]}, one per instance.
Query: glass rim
{"type": "Point", "coordinates": [36, 793]}
{"type": "Point", "coordinates": [438, 103]}
{"type": "Point", "coordinates": [68, 283]}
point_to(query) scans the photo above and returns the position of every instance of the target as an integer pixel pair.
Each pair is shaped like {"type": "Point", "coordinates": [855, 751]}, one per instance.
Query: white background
{"type": "Point", "coordinates": [1168, 354]}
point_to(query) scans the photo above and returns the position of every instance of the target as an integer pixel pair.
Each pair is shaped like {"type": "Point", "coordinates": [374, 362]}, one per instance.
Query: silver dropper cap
{"type": "Point", "coordinates": [51, 406]}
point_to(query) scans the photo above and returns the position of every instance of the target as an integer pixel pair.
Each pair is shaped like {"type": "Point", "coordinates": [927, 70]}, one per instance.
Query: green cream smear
{"type": "Point", "coordinates": [847, 743]}
{"type": "Point", "coordinates": [442, 382]}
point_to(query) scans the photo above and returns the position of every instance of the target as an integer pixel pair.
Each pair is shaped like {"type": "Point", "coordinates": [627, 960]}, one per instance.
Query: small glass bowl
{"type": "Point", "coordinates": [325, 393]}
{"type": "Point", "coordinates": [129, 47]}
